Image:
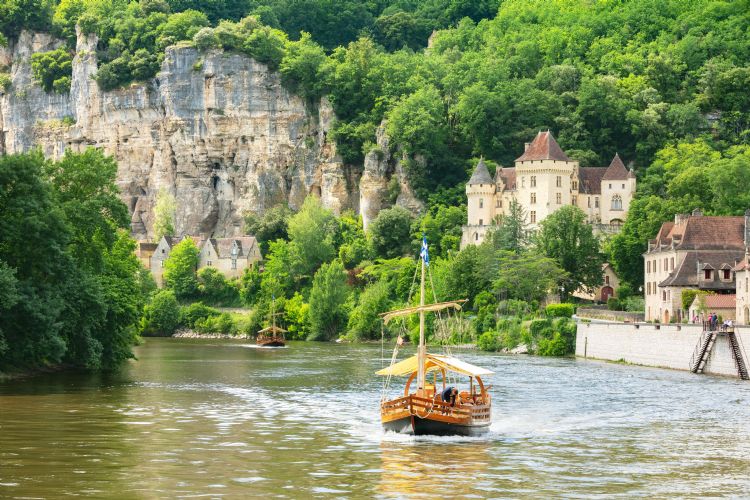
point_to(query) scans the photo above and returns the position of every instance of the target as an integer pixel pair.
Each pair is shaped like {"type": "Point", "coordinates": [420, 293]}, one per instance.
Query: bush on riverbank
{"type": "Point", "coordinates": [542, 336]}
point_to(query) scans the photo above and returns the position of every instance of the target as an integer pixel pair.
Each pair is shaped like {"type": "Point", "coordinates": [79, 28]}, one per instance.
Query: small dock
{"type": "Point", "coordinates": [705, 346]}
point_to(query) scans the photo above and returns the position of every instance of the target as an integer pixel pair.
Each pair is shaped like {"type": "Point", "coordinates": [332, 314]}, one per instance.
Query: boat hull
{"type": "Point", "coordinates": [274, 343]}
{"type": "Point", "coordinates": [428, 427]}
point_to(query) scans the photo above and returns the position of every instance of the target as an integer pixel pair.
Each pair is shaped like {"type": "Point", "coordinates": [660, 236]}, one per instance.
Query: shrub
{"type": "Point", "coordinates": [53, 70]}
{"type": "Point", "coordinates": [513, 307]}
{"type": "Point", "coordinates": [489, 341]}
{"type": "Point", "coordinates": [161, 315]}
{"type": "Point", "coordinates": [221, 323]}
{"type": "Point", "coordinates": [189, 315]}
{"type": "Point", "coordinates": [206, 39]}
{"type": "Point", "coordinates": [5, 82]}
{"type": "Point", "coordinates": [214, 288]}
{"type": "Point", "coordinates": [560, 310]}
{"type": "Point", "coordinates": [613, 304]}
{"type": "Point", "coordinates": [541, 328]}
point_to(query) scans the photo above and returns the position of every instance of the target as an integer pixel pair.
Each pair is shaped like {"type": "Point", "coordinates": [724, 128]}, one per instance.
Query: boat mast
{"type": "Point", "coordinates": [421, 351]}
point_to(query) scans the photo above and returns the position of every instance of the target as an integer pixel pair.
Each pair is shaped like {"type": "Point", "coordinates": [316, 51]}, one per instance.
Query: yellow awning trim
{"type": "Point", "coordinates": [274, 329]}
{"type": "Point", "coordinates": [456, 304]}
{"type": "Point", "coordinates": [432, 363]}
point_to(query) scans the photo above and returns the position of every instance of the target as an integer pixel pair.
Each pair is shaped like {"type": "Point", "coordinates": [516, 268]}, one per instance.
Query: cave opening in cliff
{"type": "Point", "coordinates": [215, 181]}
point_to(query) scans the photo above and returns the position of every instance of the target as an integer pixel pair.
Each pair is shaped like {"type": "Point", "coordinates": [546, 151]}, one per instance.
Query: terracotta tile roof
{"type": "Point", "coordinates": [481, 175]}
{"type": "Point", "coordinates": [691, 268]}
{"type": "Point", "coordinates": [720, 301]}
{"type": "Point", "coordinates": [616, 170]}
{"type": "Point", "coordinates": [744, 264]}
{"type": "Point", "coordinates": [591, 179]}
{"type": "Point", "coordinates": [508, 175]}
{"type": "Point", "coordinates": [543, 147]}
{"type": "Point", "coordinates": [701, 232]}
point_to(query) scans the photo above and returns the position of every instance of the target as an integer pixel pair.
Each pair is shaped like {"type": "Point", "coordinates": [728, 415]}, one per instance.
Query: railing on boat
{"type": "Point", "coordinates": [422, 406]}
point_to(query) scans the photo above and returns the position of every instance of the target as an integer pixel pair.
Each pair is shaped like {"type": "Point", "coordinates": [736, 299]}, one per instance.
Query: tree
{"type": "Point", "coordinates": [567, 238]}
{"type": "Point", "coordinates": [214, 288]}
{"type": "Point", "coordinates": [311, 232]}
{"type": "Point", "coordinates": [328, 313]}
{"type": "Point", "coordinates": [180, 267]}
{"type": "Point", "coordinates": [527, 276]}
{"type": "Point", "coordinates": [302, 65]}
{"type": "Point", "coordinates": [365, 321]}
{"type": "Point", "coordinates": [52, 70]}
{"type": "Point", "coordinates": [161, 315]}
{"type": "Point", "coordinates": [271, 226]}
{"type": "Point", "coordinates": [164, 212]}
{"type": "Point", "coordinates": [442, 228]}
{"type": "Point", "coordinates": [512, 231]}
{"type": "Point", "coordinates": [390, 233]}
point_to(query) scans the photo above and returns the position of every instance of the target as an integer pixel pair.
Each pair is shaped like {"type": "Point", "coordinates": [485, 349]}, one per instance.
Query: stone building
{"type": "Point", "coordinates": [742, 276]}
{"type": "Point", "coordinates": [231, 256]}
{"type": "Point", "coordinates": [724, 305]}
{"type": "Point", "coordinates": [161, 254]}
{"type": "Point", "coordinates": [543, 180]}
{"type": "Point", "coordinates": [693, 252]}
{"type": "Point", "coordinates": [608, 287]}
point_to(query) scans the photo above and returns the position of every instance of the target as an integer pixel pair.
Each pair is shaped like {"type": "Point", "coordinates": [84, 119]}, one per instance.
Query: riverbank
{"type": "Point", "coordinates": [192, 334]}
{"type": "Point", "coordinates": [670, 346]}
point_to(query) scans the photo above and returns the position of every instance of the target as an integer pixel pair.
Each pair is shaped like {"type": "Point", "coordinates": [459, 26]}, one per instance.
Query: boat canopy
{"type": "Point", "coordinates": [434, 362]}
{"type": "Point", "coordinates": [273, 329]}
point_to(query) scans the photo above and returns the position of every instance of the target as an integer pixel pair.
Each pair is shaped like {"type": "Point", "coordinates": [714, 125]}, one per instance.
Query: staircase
{"type": "Point", "coordinates": [702, 351]}
{"type": "Point", "coordinates": [737, 354]}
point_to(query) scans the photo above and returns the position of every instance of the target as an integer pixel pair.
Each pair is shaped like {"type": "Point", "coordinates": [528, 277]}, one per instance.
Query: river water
{"type": "Point", "coordinates": [216, 418]}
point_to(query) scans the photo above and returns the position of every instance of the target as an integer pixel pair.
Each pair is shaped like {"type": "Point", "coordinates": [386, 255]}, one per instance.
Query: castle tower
{"type": "Point", "coordinates": [544, 178]}
{"type": "Point", "coordinates": [480, 191]}
{"type": "Point", "coordinates": [618, 188]}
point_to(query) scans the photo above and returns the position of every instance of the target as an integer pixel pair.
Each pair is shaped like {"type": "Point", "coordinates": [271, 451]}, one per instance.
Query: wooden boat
{"type": "Point", "coordinates": [425, 410]}
{"type": "Point", "coordinates": [272, 336]}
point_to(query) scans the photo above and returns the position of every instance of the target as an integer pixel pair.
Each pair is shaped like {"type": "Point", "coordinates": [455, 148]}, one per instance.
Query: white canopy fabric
{"type": "Point", "coordinates": [434, 362]}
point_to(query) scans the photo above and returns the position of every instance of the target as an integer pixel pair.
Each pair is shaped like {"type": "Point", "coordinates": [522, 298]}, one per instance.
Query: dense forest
{"type": "Point", "coordinates": [662, 82]}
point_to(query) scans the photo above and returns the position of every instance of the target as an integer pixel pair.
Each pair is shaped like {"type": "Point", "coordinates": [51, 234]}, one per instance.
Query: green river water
{"type": "Point", "coordinates": [210, 418]}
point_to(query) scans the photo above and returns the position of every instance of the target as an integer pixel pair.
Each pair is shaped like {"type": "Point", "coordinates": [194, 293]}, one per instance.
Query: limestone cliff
{"type": "Point", "coordinates": [217, 130]}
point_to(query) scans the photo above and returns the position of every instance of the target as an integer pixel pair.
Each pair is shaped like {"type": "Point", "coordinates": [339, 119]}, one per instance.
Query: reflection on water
{"type": "Point", "coordinates": [216, 418]}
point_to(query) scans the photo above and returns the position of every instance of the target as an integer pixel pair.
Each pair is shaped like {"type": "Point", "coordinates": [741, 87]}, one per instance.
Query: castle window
{"type": "Point", "coordinates": [533, 181]}
{"type": "Point", "coordinates": [532, 217]}
{"type": "Point", "coordinates": [481, 222]}
{"type": "Point", "coordinates": [617, 202]}
{"type": "Point", "coordinates": [574, 201]}
{"type": "Point", "coordinates": [498, 203]}
{"type": "Point", "coordinates": [559, 181]}
{"type": "Point", "coordinates": [596, 202]}
{"type": "Point", "coordinates": [476, 236]}
{"type": "Point", "coordinates": [234, 263]}
{"type": "Point", "coordinates": [162, 263]}
{"type": "Point", "coordinates": [672, 264]}
{"type": "Point", "coordinates": [575, 185]}
{"type": "Point", "coordinates": [209, 263]}
{"type": "Point", "coordinates": [606, 280]}
{"type": "Point", "coordinates": [523, 181]}
{"type": "Point", "coordinates": [648, 267]}
{"type": "Point", "coordinates": [589, 200]}
{"type": "Point", "coordinates": [623, 186]}
{"type": "Point", "coordinates": [559, 198]}
{"type": "Point", "coordinates": [481, 202]}
{"type": "Point", "coordinates": [533, 197]}
{"type": "Point", "coordinates": [610, 186]}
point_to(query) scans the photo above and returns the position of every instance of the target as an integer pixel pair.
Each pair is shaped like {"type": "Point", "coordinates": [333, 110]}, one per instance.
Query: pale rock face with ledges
{"type": "Point", "coordinates": [217, 130]}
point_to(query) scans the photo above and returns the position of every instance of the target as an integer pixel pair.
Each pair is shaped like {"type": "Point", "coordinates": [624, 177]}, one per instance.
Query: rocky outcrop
{"type": "Point", "coordinates": [217, 130]}
{"type": "Point", "coordinates": [384, 181]}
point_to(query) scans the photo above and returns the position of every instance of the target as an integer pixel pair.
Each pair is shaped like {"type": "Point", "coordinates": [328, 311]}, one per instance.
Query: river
{"type": "Point", "coordinates": [221, 418]}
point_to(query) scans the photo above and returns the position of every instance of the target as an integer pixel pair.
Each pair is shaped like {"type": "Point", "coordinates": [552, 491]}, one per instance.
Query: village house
{"type": "Point", "coordinates": [723, 305]}
{"type": "Point", "coordinates": [608, 287]}
{"type": "Point", "coordinates": [543, 180]}
{"type": "Point", "coordinates": [742, 275]}
{"type": "Point", "coordinates": [231, 256]}
{"type": "Point", "coordinates": [693, 252]}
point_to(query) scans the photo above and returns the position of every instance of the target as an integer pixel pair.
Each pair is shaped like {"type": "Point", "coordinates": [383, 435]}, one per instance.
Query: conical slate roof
{"type": "Point", "coordinates": [616, 170]}
{"type": "Point", "coordinates": [481, 175]}
{"type": "Point", "coordinates": [544, 147]}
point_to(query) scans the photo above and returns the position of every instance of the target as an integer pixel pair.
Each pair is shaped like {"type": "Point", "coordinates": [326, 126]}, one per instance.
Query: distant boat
{"type": "Point", "coordinates": [425, 410]}
{"type": "Point", "coordinates": [272, 336]}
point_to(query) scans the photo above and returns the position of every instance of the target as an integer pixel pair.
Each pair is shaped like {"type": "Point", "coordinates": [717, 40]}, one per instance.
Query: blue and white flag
{"type": "Point", "coordinates": [424, 254]}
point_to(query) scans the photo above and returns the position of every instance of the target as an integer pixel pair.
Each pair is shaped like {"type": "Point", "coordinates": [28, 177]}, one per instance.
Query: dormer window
{"type": "Point", "coordinates": [707, 274]}
{"type": "Point", "coordinates": [727, 274]}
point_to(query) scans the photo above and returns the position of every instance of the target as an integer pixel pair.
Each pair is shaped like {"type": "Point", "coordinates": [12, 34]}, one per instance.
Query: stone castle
{"type": "Point", "coordinates": [543, 180]}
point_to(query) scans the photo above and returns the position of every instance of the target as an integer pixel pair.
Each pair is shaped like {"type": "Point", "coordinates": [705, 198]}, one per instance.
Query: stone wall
{"type": "Point", "coordinates": [662, 346]}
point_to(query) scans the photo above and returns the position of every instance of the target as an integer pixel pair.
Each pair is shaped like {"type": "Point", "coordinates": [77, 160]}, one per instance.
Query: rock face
{"type": "Point", "coordinates": [217, 130]}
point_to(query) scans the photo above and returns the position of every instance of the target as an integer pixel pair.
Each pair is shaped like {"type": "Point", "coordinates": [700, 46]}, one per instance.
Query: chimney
{"type": "Point", "coordinates": [680, 218]}
{"type": "Point", "coordinates": [697, 212]}
{"type": "Point", "coordinates": [526, 146]}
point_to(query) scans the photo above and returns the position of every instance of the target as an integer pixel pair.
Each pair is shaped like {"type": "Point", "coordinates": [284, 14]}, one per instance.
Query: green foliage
{"type": "Point", "coordinates": [180, 26]}
{"type": "Point", "coordinates": [302, 66]}
{"type": "Point", "coordinates": [164, 213]}
{"type": "Point", "coordinates": [191, 314]}
{"type": "Point", "coordinates": [364, 321]}
{"type": "Point", "coordinates": [614, 304]}
{"type": "Point", "coordinates": [442, 227]}
{"type": "Point", "coordinates": [527, 276]}
{"type": "Point", "coordinates": [297, 318]}
{"type": "Point", "coordinates": [161, 316]}
{"type": "Point", "coordinates": [52, 70]}
{"type": "Point", "coordinates": [221, 323]}
{"type": "Point", "coordinates": [389, 234]}
{"type": "Point", "coordinates": [271, 226]}
{"type": "Point", "coordinates": [560, 310]}
{"type": "Point", "coordinates": [214, 288]}
{"type": "Point", "coordinates": [15, 15]}
{"type": "Point", "coordinates": [312, 231]}
{"type": "Point", "coordinates": [567, 238]}
{"type": "Point", "coordinates": [689, 295]}
{"type": "Point", "coordinates": [511, 232]}
{"type": "Point", "coordinates": [5, 81]}
{"type": "Point", "coordinates": [205, 39]}
{"type": "Point", "coordinates": [327, 314]}
{"type": "Point", "coordinates": [179, 269]}
{"type": "Point", "coordinates": [249, 285]}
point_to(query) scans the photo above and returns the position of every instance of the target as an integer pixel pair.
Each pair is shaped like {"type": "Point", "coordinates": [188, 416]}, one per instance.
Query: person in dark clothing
{"type": "Point", "coordinates": [449, 395]}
